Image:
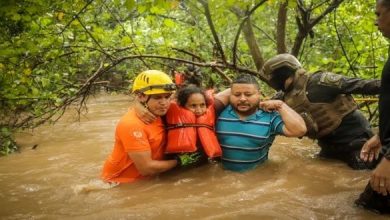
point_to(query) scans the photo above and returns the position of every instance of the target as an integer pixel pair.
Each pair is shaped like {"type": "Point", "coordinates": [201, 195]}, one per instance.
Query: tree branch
{"type": "Point", "coordinates": [281, 28]}
{"type": "Point", "coordinates": [75, 16]}
{"type": "Point", "coordinates": [219, 71]}
{"type": "Point", "coordinates": [305, 23]}
{"type": "Point", "coordinates": [94, 40]}
{"type": "Point", "coordinates": [213, 31]}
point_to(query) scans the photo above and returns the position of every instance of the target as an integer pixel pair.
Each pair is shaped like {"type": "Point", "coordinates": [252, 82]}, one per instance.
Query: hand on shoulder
{"type": "Point", "coordinates": [271, 105]}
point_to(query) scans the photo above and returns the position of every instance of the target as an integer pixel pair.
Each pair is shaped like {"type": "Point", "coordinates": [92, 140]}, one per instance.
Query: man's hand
{"type": "Point", "coordinates": [143, 113]}
{"type": "Point", "coordinates": [271, 105]}
{"type": "Point", "coordinates": [187, 159]}
{"type": "Point", "coordinates": [380, 177]}
{"type": "Point", "coordinates": [370, 149]}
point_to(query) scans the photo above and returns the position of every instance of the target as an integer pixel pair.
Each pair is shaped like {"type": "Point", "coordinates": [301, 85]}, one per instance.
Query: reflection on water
{"type": "Point", "coordinates": [60, 180]}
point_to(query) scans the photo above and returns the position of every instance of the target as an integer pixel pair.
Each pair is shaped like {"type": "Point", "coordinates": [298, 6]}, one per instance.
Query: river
{"type": "Point", "coordinates": [59, 179]}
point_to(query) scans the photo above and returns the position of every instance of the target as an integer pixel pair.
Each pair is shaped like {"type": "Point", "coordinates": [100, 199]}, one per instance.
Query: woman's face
{"type": "Point", "coordinates": [196, 103]}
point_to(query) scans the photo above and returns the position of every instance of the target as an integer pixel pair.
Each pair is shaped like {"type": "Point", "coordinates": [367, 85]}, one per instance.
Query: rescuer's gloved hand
{"type": "Point", "coordinates": [187, 159]}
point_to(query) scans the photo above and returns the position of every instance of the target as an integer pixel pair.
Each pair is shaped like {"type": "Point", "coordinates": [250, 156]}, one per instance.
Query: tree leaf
{"type": "Point", "coordinates": [169, 23]}
{"type": "Point", "coordinates": [130, 4]}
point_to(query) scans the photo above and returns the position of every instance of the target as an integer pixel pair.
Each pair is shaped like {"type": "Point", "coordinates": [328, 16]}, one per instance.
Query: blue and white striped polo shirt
{"type": "Point", "coordinates": [245, 143]}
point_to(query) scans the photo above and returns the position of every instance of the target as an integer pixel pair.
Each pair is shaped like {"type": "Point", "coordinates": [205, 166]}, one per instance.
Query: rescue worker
{"type": "Point", "coordinates": [139, 147]}
{"type": "Point", "coordinates": [324, 101]}
{"type": "Point", "coordinates": [193, 76]}
{"type": "Point", "coordinates": [244, 131]}
{"type": "Point", "coordinates": [376, 195]}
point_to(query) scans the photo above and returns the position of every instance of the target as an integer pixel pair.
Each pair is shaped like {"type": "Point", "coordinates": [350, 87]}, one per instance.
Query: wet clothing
{"type": "Point", "coordinates": [245, 143]}
{"type": "Point", "coordinates": [321, 118]}
{"type": "Point", "coordinates": [186, 131]}
{"type": "Point", "coordinates": [384, 109]}
{"type": "Point", "coordinates": [370, 199]}
{"type": "Point", "coordinates": [374, 201]}
{"type": "Point", "coordinates": [343, 140]}
{"type": "Point", "coordinates": [132, 135]}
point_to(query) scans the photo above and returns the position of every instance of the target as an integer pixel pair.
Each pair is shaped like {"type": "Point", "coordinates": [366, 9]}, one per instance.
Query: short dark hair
{"type": "Point", "coordinates": [185, 92]}
{"type": "Point", "coordinates": [246, 79]}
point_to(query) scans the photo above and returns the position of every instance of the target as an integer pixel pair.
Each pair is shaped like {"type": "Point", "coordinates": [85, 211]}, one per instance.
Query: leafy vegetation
{"type": "Point", "coordinates": [54, 53]}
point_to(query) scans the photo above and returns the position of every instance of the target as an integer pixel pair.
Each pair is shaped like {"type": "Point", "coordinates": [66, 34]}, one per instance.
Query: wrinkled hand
{"type": "Point", "coordinates": [187, 159]}
{"type": "Point", "coordinates": [271, 105]}
{"type": "Point", "coordinates": [380, 177]}
{"type": "Point", "coordinates": [143, 113]}
{"type": "Point", "coordinates": [370, 149]}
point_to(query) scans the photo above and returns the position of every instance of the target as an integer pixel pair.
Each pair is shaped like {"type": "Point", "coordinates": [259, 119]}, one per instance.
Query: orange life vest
{"type": "Point", "coordinates": [184, 128]}
{"type": "Point", "coordinates": [179, 78]}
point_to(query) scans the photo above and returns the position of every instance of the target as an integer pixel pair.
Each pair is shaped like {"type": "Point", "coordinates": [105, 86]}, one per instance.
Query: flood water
{"type": "Point", "coordinates": [60, 179]}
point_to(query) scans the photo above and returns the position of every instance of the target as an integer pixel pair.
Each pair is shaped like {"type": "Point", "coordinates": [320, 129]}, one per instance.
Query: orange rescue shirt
{"type": "Point", "coordinates": [132, 135]}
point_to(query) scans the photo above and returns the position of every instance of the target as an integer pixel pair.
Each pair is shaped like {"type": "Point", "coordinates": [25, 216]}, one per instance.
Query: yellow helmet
{"type": "Point", "coordinates": [152, 82]}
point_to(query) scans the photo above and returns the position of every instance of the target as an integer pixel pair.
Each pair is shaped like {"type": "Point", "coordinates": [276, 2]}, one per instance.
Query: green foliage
{"type": "Point", "coordinates": [188, 159]}
{"type": "Point", "coordinates": [7, 143]}
{"type": "Point", "coordinates": [50, 49]}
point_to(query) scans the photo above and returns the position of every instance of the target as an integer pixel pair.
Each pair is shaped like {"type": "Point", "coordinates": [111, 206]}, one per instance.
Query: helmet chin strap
{"type": "Point", "coordinates": [145, 103]}
{"type": "Point", "coordinates": [289, 85]}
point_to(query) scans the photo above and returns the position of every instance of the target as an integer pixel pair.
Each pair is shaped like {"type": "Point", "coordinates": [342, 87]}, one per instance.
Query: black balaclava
{"type": "Point", "coordinates": [279, 77]}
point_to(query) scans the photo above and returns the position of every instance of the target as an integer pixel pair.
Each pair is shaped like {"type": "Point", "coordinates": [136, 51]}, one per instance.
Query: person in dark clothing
{"type": "Point", "coordinates": [324, 101]}
{"type": "Point", "coordinates": [193, 76]}
{"type": "Point", "coordinates": [376, 196]}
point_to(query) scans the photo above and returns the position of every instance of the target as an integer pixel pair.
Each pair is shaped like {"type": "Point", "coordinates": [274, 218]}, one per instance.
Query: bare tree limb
{"type": "Point", "coordinates": [76, 15]}
{"type": "Point", "coordinates": [305, 23]}
{"type": "Point", "coordinates": [125, 31]}
{"type": "Point", "coordinates": [342, 45]}
{"type": "Point", "coordinates": [212, 28]}
{"type": "Point", "coordinates": [246, 26]}
{"type": "Point", "coordinates": [94, 40]}
{"type": "Point", "coordinates": [281, 28]}
{"type": "Point", "coordinates": [219, 71]}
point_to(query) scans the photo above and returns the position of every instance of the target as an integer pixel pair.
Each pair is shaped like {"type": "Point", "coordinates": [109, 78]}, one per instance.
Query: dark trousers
{"type": "Point", "coordinates": [348, 153]}
{"type": "Point", "coordinates": [374, 201]}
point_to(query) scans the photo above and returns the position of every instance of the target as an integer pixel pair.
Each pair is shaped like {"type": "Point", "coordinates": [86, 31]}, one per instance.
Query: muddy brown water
{"type": "Point", "coordinates": [60, 179]}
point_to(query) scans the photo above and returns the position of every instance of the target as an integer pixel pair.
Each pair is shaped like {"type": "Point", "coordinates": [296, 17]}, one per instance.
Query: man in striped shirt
{"type": "Point", "coordinates": [246, 132]}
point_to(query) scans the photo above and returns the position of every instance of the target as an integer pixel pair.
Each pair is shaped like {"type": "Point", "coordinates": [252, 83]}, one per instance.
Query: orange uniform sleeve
{"type": "Point", "coordinates": [133, 138]}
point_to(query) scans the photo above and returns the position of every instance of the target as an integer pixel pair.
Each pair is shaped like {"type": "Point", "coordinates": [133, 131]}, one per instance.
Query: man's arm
{"type": "Point", "coordinates": [223, 96]}
{"type": "Point", "coordinates": [347, 85]}
{"type": "Point", "coordinates": [361, 86]}
{"type": "Point", "coordinates": [294, 125]}
{"type": "Point", "coordinates": [221, 100]}
{"type": "Point", "coordinates": [132, 133]}
{"type": "Point", "coordinates": [147, 166]}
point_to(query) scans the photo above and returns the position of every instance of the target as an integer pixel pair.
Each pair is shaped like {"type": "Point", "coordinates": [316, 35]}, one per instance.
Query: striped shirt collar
{"type": "Point", "coordinates": [252, 117]}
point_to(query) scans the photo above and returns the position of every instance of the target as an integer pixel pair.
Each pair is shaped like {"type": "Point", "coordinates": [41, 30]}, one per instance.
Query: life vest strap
{"type": "Point", "coordinates": [185, 125]}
